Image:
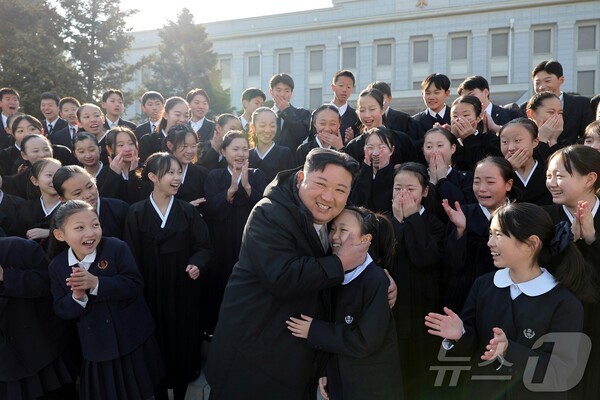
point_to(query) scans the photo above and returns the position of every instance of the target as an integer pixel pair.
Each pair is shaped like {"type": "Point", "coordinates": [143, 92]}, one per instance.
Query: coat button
{"type": "Point", "coordinates": [108, 321]}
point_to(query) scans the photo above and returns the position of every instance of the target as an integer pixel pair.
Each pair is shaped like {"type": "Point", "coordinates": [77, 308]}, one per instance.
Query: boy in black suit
{"type": "Point", "coordinates": [548, 76]}
{"type": "Point", "coordinates": [495, 116]}
{"type": "Point", "coordinates": [252, 98]}
{"type": "Point", "coordinates": [153, 104]}
{"type": "Point", "coordinates": [343, 87]}
{"type": "Point", "coordinates": [113, 105]}
{"type": "Point", "coordinates": [9, 103]}
{"type": "Point", "coordinates": [50, 110]}
{"type": "Point", "coordinates": [199, 106]}
{"type": "Point", "coordinates": [394, 119]}
{"type": "Point", "coordinates": [68, 111]}
{"type": "Point", "coordinates": [293, 124]}
{"type": "Point", "coordinates": [435, 89]}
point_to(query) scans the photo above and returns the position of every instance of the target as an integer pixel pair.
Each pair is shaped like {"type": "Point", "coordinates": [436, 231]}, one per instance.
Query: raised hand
{"type": "Point", "coordinates": [448, 326]}
{"type": "Point", "coordinates": [518, 158]}
{"type": "Point", "coordinates": [496, 347]}
{"type": "Point", "coordinates": [457, 217]}
{"type": "Point", "coordinates": [397, 201]}
{"type": "Point", "coordinates": [585, 220]}
{"type": "Point", "coordinates": [410, 205]}
{"type": "Point", "coordinates": [299, 326]}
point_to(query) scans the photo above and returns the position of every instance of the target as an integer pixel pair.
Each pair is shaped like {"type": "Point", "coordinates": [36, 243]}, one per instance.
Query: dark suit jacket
{"type": "Point", "coordinates": [5, 139]}
{"type": "Point", "coordinates": [577, 114]}
{"type": "Point", "coordinates": [349, 120]}
{"type": "Point", "coordinates": [206, 131]}
{"type": "Point", "coordinates": [115, 322]}
{"type": "Point", "coordinates": [57, 126]}
{"type": "Point", "coordinates": [142, 129]}
{"type": "Point", "coordinates": [9, 220]}
{"type": "Point", "coordinates": [501, 115]}
{"type": "Point", "coordinates": [421, 123]}
{"type": "Point", "coordinates": [63, 137]}
{"type": "Point", "coordinates": [122, 122]}
{"type": "Point", "coordinates": [397, 120]}
{"type": "Point", "coordinates": [296, 125]}
{"type": "Point", "coordinates": [150, 144]}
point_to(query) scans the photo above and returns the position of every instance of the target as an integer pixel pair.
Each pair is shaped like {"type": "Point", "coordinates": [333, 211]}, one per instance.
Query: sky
{"type": "Point", "coordinates": [152, 16]}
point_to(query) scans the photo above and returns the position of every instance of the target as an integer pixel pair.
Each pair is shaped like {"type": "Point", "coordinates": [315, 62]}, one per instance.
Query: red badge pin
{"type": "Point", "coordinates": [103, 264]}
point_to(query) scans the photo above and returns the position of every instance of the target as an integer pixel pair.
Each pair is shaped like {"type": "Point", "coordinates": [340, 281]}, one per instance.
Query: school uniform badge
{"type": "Point", "coordinates": [103, 264]}
{"type": "Point", "coordinates": [348, 319]}
{"type": "Point", "coordinates": [529, 333]}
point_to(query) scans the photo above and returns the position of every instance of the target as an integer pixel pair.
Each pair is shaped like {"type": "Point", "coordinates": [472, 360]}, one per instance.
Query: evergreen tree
{"type": "Point", "coordinates": [97, 38]}
{"type": "Point", "coordinates": [185, 60]}
{"type": "Point", "coordinates": [33, 57]}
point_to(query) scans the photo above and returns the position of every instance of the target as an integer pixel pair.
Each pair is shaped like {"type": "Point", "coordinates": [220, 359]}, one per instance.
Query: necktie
{"type": "Point", "coordinates": [152, 128]}
{"type": "Point", "coordinates": [73, 132]}
{"type": "Point", "coordinates": [49, 129]}
{"type": "Point", "coordinates": [439, 119]}
{"type": "Point", "coordinates": [323, 237]}
{"type": "Point", "coordinates": [278, 131]}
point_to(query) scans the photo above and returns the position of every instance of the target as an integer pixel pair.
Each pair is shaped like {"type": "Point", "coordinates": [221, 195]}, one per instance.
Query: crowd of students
{"type": "Point", "coordinates": [143, 225]}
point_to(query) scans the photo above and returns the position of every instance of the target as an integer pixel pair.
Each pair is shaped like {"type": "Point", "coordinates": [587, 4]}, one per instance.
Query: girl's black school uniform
{"type": "Point", "coordinates": [192, 187]}
{"type": "Point", "coordinates": [101, 176]}
{"type": "Point", "coordinates": [279, 158]}
{"type": "Point", "coordinates": [404, 150]}
{"type": "Point", "coordinates": [20, 185]}
{"type": "Point", "coordinates": [456, 186]}
{"type": "Point", "coordinates": [475, 148]}
{"type": "Point", "coordinates": [121, 356]}
{"type": "Point", "coordinates": [150, 144]}
{"type": "Point", "coordinates": [162, 255]}
{"type": "Point", "coordinates": [128, 190]}
{"type": "Point", "coordinates": [589, 387]}
{"type": "Point", "coordinates": [226, 222]}
{"type": "Point", "coordinates": [417, 269]}
{"type": "Point", "coordinates": [536, 191]}
{"type": "Point", "coordinates": [8, 159]}
{"type": "Point", "coordinates": [373, 192]}
{"type": "Point", "coordinates": [32, 215]}
{"type": "Point", "coordinates": [362, 340]}
{"type": "Point", "coordinates": [112, 216]}
{"type": "Point", "coordinates": [303, 150]}
{"type": "Point", "coordinates": [466, 258]}
{"type": "Point", "coordinates": [39, 351]}
{"type": "Point", "coordinates": [9, 219]}
{"type": "Point", "coordinates": [524, 320]}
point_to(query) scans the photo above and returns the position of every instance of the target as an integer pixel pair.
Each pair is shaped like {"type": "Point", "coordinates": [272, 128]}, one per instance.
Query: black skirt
{"type": "Point", "coordinates": [131, 377]}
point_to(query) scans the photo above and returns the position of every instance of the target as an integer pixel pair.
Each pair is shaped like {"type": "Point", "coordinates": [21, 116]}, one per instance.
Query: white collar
{"type": "Point", "coordinates": [570, 216]}
{"type": "Point", "coordinates": [4, 119]}
{"type": "Point", "coordinates": [103, 136]}
{"type": "Point", "coordinates": [85, 263]}
{"type": "Point", "coordinates": [244, 121]}
{"type": "Point", "coordinates": [488, 109]}
{"type": "Point", "coordinates": [341, 109]}
{"type": "Point", "coordinates": [98, 206]}
{"type": "Point", "coordinates": [160, 214]}
{"type": "Point", "coordinates": [537, 286]}
{"type": "Point", "coordinates": [48, 212]}
{"type": "Point", "coordinates": [231, 173]}
{"type": "Point", "coordinates": [442, 112]}
{"type": "Point", "coordinates": [112, 124]}
{"type": "Point", "coordinates": [198, 124]}
{"type": "Point", "coordinates": [185, 169]}
{"type": "Point", "coordinates": [1, 196]}
{"type": "Point", "coordinates": [526, 179]}
{"type": "Point", "coordinates": [262, 156]}
{"type": "Point", "coordinates": [53, 122]}
{"type": "Point", "coordinates": [99, 169]}
{"type": "Point", "coordinates": [488, 215]}
{"type": "Point", "coordinates": [350, 276]}
{"type": "Point", "coordinates": [321, 144]}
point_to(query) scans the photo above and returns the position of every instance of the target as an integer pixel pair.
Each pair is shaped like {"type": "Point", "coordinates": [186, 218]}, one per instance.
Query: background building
{"type": "Point", "coordinates": [402, 41]}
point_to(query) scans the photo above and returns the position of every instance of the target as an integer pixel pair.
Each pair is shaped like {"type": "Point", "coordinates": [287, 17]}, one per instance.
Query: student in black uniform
{"type": "Point", "coordinates": [171, 245]}
{"type": "Point", "coordinates": [518, 139]}
{"type": "Point", "coordinates": [231, 193]}
{"type": "Point", "coordinates": [199, 103]}
{"type": "Point", "coordinates": [394, 119]}
{"type": "Point", "coordinates": [591, 137]}
{"type": "Point", "coordinates": [113, 103]}
{"type": "Point", "coordinates": [9, 220]}
{"type": "Point", "coordinates": [573, 180]}
{"type": "Point", "coordinates": [342, 88]}
{"type": "Point", "coordinates": [466, 254]}
{"type": "Point", "coordinates": [72, 182]}
{"type": "Point", "coordinates": [10, 157]}
{"type": "Point", "coordinates": [91, 120]}
{"type": "Point", "coordinates": [265, 154]}
{"type": "Point", "coordinates": [417, 268]}
{"type": "Point", "coordinates": [176, 112]}
{"type": "Point", "coordinates": [325, 132]}
{"type": "Point", "coordinates": [209, 153]}
{"type": "Point", "coordinates": [364, 359]}
{"type": "Point", "coordinates": [439, 146]}
{"type": "Point", "coordinates": [87, 152]}
{"type": "Point", "coordinates": [153, 104]}
{"type": "Point", "coordinates": [122, 177]}
{"type": "Point", "coordinates": [9, 102]}
{"type": "Point", "coordinates": [534, 293]}
{"type": "Point", "coordinates": [546, 110]}
{"type": "Point", "coordinates": [372, 187]}
{"type": "Point", "coordinates": [435, 90]}
{"type": "Point", "coordinates": [49, 107]}
{"type": "Point", "coordinates": [97, 283]}
{"type": "Point", "coordinates": [370, 113]}
{"type": "Point", "coordinates": [68, 107]}
{"type": "Point", "coordinates": [35, 214]}
{"type": "Point", "coordinates": [467, 126]}
{"type": "Point", "coordinates": [39, 360]}
{"type": "Point", "coordinates": [182, 142]}
{"type": "Point", "coordinates": [33, 148]}
{"type": "Point", "coordinates": [252, 98]}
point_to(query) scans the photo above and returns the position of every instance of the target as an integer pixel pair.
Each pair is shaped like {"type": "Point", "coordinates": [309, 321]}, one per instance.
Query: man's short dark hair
{"type": "Point", "coordinates": [552, 67]}
{"type": "Point", "coordinates": [189, 97]}
{"type": "Point", "coordinates": [382, 86]}
{"type": "Point", "coordinates": [472, 83]}
{"type": "Point", "coordinates": [107, 94]}
{"type": "Point", "coordinates": [152, 95]}
{"type": "Point", "coordinates": [346, 73]}
{"type": "Point", "coordinates": [69, 100]}
{"type": "Point", "coordinates": [253, 92]}
{"type": "Point", "coordinates": [8, 90]}
{"type": "Point", "coordinates": [281, 78]}
{"type": "Point", "coordinates": [50, 96]}
{"type": "Point", "coordinates": [440, 81]}
{"type": "Point", "coordinates": [318, 158]}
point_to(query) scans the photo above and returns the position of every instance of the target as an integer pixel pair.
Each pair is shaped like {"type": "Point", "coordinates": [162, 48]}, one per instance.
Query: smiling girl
{"type": "Point", "coordinates": [176, 112]}
{"type": "Point", "coordinates": [91, 120]}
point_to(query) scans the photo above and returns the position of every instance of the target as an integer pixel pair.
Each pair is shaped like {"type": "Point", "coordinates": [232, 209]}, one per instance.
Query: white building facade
{"type": "Point", "coordinates": [402, 41]}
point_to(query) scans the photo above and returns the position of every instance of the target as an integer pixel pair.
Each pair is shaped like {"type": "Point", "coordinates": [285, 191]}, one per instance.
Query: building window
{"type": "Point", "coordinates": [542, 41]}
{"type": "Point", "coordinates": [225, 67]}
{"type": "Point", "coordinates": [499, 44]}
{"type": "Point", "coordinates": [459, 48]}
{"type": "Point", "coordinates": [315, 61]}
{"type": "Point", "coordinates": [586, 37]}
{"type": "Point", "coordinates": [315, 97]}
{"type": "Point", "coordinates": [384, 54]}
{"type": "Point", "coordinates": [349, 57]}
{"type": "Point", "coordinates": [420, 51]}
{"type": "Point", "coordinates": [499, 80]}
{"type": "Point", "coordinates": [586, 82]}
{"type": "Point", "coordinates": [254, 65]}
{"type": "Point", "coordinates": [284, 63]}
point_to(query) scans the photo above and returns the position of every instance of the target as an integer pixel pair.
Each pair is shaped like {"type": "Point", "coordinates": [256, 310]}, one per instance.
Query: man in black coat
{"type": "Point", "coordinates": [293, 123]}
{"type": "Point", "coordinates": [282, 269]}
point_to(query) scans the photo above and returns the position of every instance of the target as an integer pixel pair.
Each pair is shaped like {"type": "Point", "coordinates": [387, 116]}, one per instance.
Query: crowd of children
{"type": "Point", "coordinates": [485, 217]}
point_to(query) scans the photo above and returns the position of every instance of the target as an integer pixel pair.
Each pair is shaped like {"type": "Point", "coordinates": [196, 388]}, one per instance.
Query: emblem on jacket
{"type": "Point", "coordinates": [529, 333]}
{"type": "Point", "coordinates": [103, 264]}
{"type": "Point", "coordinates": [348, 319]}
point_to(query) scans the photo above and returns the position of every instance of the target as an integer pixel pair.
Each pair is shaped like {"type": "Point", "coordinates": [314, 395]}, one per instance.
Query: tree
{"type": "Point", "coordinates": [33, 59]}
{"type": "Point", "coordinates": [185, 60]}
{"type": "Point", "coordinates": [97, 39]}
